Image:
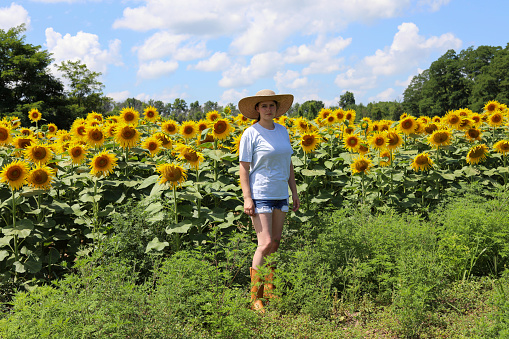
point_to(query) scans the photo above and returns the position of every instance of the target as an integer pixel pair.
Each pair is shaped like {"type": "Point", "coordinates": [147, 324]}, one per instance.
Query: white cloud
{"type": "Point", "coordinates": [256, 26]}
{"type": "Point", "coordinates": [434, 5]}
{"type": "Point", "coordinates": [118, 96]}
{"type": "Point", "coordinates": [351, 80]}
{"type": "Point", "coordinates": [219, 61]}
{"type": "Point", "coordinates": [156, 69]}
{"type": "Point", "coordinates": [163, 44]}
{"type": "Point", "coordinates": [408, 50]}
{"type": "Point", "coordinates": [232, 96]}
{"type": "Point", "coordinates": [85, 47]}
{"type": "Point", "coordinates": [262, 65]}
{"type": "Point", "coordinates": [387, 95]}
{"type": "Point", "coordinates": [13, 16]}
{"type": "Point", "coordinates": [290, 79]}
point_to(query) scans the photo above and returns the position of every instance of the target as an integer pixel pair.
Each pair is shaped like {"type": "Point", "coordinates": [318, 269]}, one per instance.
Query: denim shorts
{"type": "Point", "coordinates": [267, 206]}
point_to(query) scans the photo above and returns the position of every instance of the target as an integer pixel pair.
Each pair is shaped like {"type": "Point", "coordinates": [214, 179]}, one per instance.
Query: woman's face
{"type": "Point", "coordinates": [267, 109]}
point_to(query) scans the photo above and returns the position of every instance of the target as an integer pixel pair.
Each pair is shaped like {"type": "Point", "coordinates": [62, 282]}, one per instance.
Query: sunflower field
{"type": "Point", "coordinates": [60, 188]}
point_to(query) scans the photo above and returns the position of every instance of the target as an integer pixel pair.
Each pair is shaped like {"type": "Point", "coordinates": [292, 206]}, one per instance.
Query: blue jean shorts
{"type": "Point", "coordinates": [267, 206]}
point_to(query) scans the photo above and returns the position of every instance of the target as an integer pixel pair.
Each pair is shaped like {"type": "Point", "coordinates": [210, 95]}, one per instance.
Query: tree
{"type": "Point", "coordinates": [310, 109]}
{"type": "Point", "coordinates": [83, 83]}
{"type": "Point", "coordinates": [25, 80]}
{"type": "Point", "coordinates": [346, 100]}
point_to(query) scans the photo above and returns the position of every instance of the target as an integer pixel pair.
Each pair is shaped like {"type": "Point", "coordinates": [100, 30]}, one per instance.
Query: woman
{"type": "Point", "coordinates": [266, 171]}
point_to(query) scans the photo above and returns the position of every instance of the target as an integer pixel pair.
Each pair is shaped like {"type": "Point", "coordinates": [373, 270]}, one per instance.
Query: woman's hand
{"type": "Point", "coordinates": [249, 207]}
{"type": "Point", "coordinates": [296, 202]}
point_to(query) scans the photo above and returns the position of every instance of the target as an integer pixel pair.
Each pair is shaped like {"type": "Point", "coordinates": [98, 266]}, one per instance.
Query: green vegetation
{"type": "Point", "coordinates": [347, 274]}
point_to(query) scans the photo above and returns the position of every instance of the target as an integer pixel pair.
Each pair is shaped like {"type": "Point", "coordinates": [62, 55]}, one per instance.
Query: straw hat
{"type": "Point", "coordinates": [247, 104]}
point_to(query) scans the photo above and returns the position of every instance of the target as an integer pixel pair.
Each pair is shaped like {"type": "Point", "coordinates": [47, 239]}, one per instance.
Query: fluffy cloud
{"type": "Point", "coordinates": [163, 44]}
{"type": "Point", "coordinates": [157, 68]}
{"type": "Point", "coordinates": [13, 16]}
{"type": "Point", "coordinates": [290, 79]}
{"type": "Point", "coordinates": [260, 26]}
{"type": "Point", "coordinates": [386, 95]}
{"type": "Point", "coordinates": [351, 79]}
{"type": "Point", "coordinates": [232, 96]}
{"type": "Point", "coordinates": [262, 65]}
{"type": "Point", "coordinates": [85, 47]}
{"type": "Point", "coordinates": [118, 96]}
{"type": "Point", "coordinates": [220, 61]}
{"type": "Point", "coordinates": [408, 50]}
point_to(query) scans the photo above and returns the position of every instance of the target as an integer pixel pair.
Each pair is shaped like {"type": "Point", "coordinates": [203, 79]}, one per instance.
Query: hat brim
{"type": "Point", "coordinates": [247, 104]}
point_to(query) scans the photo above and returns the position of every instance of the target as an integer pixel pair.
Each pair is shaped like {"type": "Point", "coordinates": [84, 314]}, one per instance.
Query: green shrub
{"type": "Point", "coordinates": [473, 235]}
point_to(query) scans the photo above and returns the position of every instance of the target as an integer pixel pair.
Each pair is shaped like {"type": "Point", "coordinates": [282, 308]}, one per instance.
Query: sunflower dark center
{"type": "Point", "coordinates": [4, 134]}
{"type": "Point", "coordinates": [39, 153]}
{"type": "Point", "coordinates": [40, 177]}
{"type": "Point", "coordinates": [220, 127]}
{"type": "Point", "coordinates": [307, 140]}
{"type": "Point", "coordinates": [14, 173]}
{"type": "Point", "coordinates": [102, 162]}
{"type": "Point", "coordinates": [128, 133]}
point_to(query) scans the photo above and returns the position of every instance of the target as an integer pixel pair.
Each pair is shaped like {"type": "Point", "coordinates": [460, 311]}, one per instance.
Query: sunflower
{"type": "Point", "coordinates": [422, 162]}
{"type": "Point", "coordinates": [324, 113]}
{"type": "Point", "coordinates": [407, 125]}
{"type": "Point", "coordinates": [172, 174]}
{"type": "Point", "coordinates": [169, 127]}
{"type": "Point", "coordinates": [473, 134]}
{"type": "Point", "coordinates": [452, 119]}
{"type": "Point", "coordinates": [339, 114]}
{"type": "Point", "coordinates": [351, 142]}
{"type": "Point", "coordinates": [103, 164]}
{"type": "Point", "coordinates": [23, 142]}
{"type": "Point", "coordinates": [385, 158]}
{"type": "Point", "coordinates": [113, 119]}
{"type": "Point", "coordinates": [5, 135]}
{"type": "Point", "coordinates": [363, 148]}
{"type": "Point", "coordinates": [190, 155]}
{"type": "Point", "coordinates": [208, 138]}
{"type": "Point", "coordinates": [502, 147]}
{"type": "Point", "coordinates": [15, 174]}
{"type": "Point", "coordinates": [241, 120]}
{"type": "Point", "coordinates": [491, 106]}
{"type": "Point", "coordinates": [440, 138]}
{"type": "Point", "coordinates": [350, 116]}
{"type": "Point", "coordinates": [360, 164]}
{"type": "Point", "coordinates": [496, 119]}
{"type": "Point", "coordinates": [436, 119]}
{"type": "Point", "coordinates": [213, 116]}
{"type": "Point", "coordinates": [52, 128]}
{"type": "Point", "coordinates": [384, 125]}
{"type": "Point", "coordinates": [34, 115]}
{"type": "Point", "coordinates": [152, 144]}
{"type": "Point", "coordinates": [95, 116]}
{"type": "Point", "coordinates": [430, 128]}
{"type": "Point", "coordinates": [110, 128]}
{"type": "Point", "coordinates": [221, 128]}
{"type": "Point", "coordinates": [26, 132]}
{"type": "Point", "coordinates": [79, 129]}
{"type": "Point", "coordinates": [15, 122]}
{"type": "Point", "coordinates": [394, 140]}
{"type": "Point", "coordinates": [378, 140]}
{"type": "Point", "coordinates": [38, 153]}
{"type": "Point", "coordinates": [236, 144]}
{"type": "Point", "coordinates": [95, 136]}
{"type": "Point", "coordinates": [309, 141]}
{"type": "Point", "coordinates": [151, 114]}
{"type": "Point", "coordinates": [129, 116]}
{"type": "Point", "coordinates": [301, 124]}
{"type": "Point", "coordinates": [164, 139]}
{"type": "Point", "coordinates": [466, 123]}
{"type": "Point", "coordinates": [40, 177]}
{"type": "Point", "coordinates": [188, 129]}
{"type": "Point", "coordinates": [477, 154]}
{"type": "Point", "coordinates": [77, 152]}
{"type": "Point", "coordinates": [330, 120]}
{"type": "Point", "coordinates": [476, 118]}
{"type": "Point", "coordinates": [127, 136]}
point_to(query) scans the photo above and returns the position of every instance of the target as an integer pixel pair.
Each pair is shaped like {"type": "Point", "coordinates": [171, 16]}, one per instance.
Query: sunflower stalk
{"type": "Point", "coordinates": [175, 204]}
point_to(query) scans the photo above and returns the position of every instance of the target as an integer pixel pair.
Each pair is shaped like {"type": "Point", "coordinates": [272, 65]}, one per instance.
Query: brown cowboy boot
{"type": "Point", "coordinates": [268, 291]}
{"type": "Point", "coordinates": [256, 291]}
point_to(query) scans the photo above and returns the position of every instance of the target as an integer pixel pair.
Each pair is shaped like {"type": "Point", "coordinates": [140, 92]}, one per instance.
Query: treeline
{"type": "Point", "coordinates": [467, 79]}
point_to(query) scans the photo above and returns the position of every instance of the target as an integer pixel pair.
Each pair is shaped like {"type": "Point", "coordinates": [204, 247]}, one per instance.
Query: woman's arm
{"type": "Point", "coordinates": [293, 188]}
{"type": "Point", "coordinates": [244, 168]}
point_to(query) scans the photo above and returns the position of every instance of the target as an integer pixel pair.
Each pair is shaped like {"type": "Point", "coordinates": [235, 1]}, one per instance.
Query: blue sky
{"type": "Point", "coordinates": [223, 50]}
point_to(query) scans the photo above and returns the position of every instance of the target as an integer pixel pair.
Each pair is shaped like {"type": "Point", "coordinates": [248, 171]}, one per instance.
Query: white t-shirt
{"type": "Point", "coordinates": [270, 154]}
